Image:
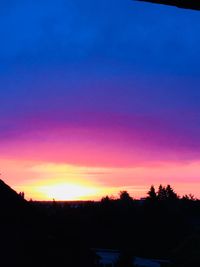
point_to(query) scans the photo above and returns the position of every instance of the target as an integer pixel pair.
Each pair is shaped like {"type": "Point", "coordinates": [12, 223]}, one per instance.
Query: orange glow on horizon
{"type": "Point", "coordinates": [44, 181]}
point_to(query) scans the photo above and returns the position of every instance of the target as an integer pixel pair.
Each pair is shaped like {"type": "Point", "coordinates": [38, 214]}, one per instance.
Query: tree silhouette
{"type": "Point", "coordinates": [170, 194]}
{"type": "Point", "coordinates": [125, 197]}
{"type": "Point", "coordinates": [106, 201]}
{"type": "Point", "coordinates": [162, 194]}
{"type": "Point", "coordinates": [22, 195]}
{"type": "Point", "coordinates": [189, 197]}
{"type": "Point", "coordinates": [166, 193]}
{"type": "Point", "coordinates": [152, 193]}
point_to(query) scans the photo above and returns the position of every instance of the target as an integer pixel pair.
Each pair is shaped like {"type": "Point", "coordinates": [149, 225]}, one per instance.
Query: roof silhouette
{"type": "Point", "coordinates": [9, 197]}
{"type": "Point", "coordinates": [187, 4]}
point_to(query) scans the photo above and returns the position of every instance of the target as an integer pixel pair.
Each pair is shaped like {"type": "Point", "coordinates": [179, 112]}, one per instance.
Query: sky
{"type": "Point", "coordinates": [98, 97]}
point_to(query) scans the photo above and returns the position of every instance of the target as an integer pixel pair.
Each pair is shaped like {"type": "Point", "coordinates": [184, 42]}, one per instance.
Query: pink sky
{"type": "Point", "coordinates": [101, 158]}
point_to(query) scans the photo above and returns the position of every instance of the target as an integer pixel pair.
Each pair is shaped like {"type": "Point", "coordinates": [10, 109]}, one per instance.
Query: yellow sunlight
{"type": "Point", "coordinates": [66, 191]}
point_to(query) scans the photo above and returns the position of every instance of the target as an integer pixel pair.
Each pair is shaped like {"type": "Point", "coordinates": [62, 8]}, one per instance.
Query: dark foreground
{"type": "Point", "coordinates": [61, 234]}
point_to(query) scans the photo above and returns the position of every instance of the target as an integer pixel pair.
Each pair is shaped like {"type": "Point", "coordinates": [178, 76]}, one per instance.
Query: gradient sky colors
{"type": "Point", "coordinates": [98, 96]}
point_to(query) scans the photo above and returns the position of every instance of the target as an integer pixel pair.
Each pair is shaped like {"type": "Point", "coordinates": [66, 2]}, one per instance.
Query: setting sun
{"type": "Point", "coordinates": [66, 191]}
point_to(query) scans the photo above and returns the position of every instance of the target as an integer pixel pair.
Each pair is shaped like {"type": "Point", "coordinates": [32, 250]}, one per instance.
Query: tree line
{"type": "Point", "coordinates": [164, 193]}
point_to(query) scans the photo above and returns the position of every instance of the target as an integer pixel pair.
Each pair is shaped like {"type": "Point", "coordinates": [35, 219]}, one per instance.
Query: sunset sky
{"type": "Point", "coordinates": [98, 97]}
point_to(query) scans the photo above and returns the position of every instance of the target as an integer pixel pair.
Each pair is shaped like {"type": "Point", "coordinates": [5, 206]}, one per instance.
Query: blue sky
{"type": "Point", "coordinates": [137, 35]}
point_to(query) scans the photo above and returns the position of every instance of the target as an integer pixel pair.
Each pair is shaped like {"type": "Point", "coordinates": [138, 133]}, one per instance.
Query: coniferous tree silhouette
{"type": "Point", "coordinates": [152, 193]}
{"type": "Point", "coordinates": [170, 194]}
{"type": "Point", "coordinates": [162, 194]}
{"type": "Point", "coordinates": [166, 193]}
